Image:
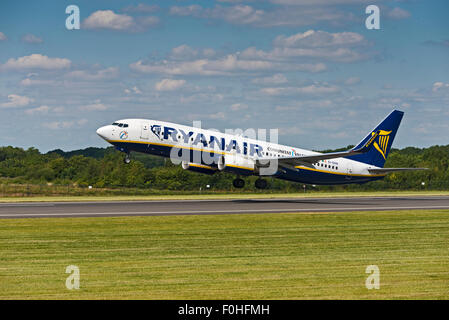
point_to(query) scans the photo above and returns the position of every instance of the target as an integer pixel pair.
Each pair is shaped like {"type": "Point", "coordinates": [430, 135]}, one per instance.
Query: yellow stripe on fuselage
{"type": "Point", "coordinates": [181, 147]}
{"type": "Point", "coordinates": [245, 168]}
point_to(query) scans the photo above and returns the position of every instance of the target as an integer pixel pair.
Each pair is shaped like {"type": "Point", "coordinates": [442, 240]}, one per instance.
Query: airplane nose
{"type": "Point", "coordinates": [102, 132]}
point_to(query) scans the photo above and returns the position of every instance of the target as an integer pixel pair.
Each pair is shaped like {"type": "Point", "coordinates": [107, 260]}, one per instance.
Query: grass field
{"type": "Point", "coordinates": [224, 196]}
{"type": "Point", "coordinates": [268, 256]}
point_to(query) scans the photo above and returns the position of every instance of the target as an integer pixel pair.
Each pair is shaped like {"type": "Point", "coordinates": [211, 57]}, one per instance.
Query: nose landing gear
{"type": "Point", "coordinates": [127, 160]}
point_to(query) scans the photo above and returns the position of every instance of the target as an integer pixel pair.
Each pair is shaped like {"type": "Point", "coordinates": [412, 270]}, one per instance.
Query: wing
{"type": "Point", "coordinates": [390, 170]}
{"type": "Point", "coordinates": [295, 161]}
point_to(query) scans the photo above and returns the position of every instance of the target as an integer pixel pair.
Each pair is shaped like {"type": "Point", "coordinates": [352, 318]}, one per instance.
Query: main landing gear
{"type": "Point", "coordinates": [238, 183]}
{"type": "Point", "coordinates": [261, 184]}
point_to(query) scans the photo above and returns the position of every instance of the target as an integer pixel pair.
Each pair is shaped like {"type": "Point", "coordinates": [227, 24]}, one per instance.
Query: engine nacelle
{"type": "Point", "coordinates": [197, 167]}
{"type": "Point", "coordinates": [221, 163]}
{"type": "Point", "coordinates": [236, 164]}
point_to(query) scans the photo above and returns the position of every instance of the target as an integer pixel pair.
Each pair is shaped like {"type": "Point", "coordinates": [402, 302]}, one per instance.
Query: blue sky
{"type": "Point", "coordinates": [307, 67]}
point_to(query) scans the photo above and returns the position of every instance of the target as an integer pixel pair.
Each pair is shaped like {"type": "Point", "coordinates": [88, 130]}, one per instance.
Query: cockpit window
{"type": "Point", "coordinates": [121, 125]}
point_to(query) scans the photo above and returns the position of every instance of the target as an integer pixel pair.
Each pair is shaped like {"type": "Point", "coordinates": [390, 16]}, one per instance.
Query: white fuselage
{"type": "Point", "coordinates": [203, 148]}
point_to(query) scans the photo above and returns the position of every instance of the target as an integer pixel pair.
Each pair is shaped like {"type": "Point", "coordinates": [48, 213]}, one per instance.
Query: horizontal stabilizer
{"type": "Point", "coordinates": [390, 170]}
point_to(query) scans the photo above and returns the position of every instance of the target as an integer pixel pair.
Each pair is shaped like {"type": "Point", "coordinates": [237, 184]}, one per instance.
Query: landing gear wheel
{"type": "Point", "coordinates": [261, 184]}
{"type": "Point", "coordinates": [127, 160]}
{"type": "Point", "coordinates": [238, 183]}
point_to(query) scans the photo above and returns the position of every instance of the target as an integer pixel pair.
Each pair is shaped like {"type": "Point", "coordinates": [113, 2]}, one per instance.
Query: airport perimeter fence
{"type": "Point", "coordinates": [34, 190]}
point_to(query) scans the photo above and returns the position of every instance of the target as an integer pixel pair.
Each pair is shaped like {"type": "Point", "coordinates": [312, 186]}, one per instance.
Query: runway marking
{"type": "Point", "coordinates": [31, 203]}
{"type": "Point", "coordinates": [27, 205]}
{"type": "Point", "coordinates": [22, 215]}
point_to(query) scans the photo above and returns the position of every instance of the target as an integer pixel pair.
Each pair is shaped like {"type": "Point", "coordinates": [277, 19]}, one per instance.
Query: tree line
{"type": "Point", "coordinates": [104, 168]}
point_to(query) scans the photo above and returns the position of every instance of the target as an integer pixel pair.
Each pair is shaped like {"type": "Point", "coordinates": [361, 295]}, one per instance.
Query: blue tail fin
{"type": "Point", "coordinates": [377, 155]}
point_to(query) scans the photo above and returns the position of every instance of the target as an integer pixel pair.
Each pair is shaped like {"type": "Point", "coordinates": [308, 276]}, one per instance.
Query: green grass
{"type": "Point", "coordinates": [228, 195]}
{"type": "Point", "coordinates": [267, 256]}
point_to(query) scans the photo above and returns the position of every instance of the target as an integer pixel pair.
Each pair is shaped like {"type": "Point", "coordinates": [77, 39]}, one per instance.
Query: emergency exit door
{"type": "Point", "coordinates": [144, 132]}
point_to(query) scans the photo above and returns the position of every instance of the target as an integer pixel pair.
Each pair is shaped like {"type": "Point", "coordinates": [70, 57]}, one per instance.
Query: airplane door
{"type": "Point", "coordinates": [349, 172]}
{"type": "Point", "coordinates": [144, 132]}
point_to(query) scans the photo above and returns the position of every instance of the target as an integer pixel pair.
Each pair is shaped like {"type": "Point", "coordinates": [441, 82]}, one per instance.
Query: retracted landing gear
{"type": "Point", "coordinates": [238, 183]}
{"type": "Point", "coordinates": [127, 159]}
{"type": "Point", "coordinates": [261, 184]}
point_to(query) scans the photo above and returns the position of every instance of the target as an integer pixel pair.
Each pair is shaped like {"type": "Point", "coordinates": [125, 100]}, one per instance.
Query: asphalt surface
{"type": "Point", "coordinates": [195, 207]}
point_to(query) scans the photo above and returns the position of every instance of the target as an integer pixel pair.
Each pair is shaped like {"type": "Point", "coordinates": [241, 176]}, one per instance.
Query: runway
{"type": "Point", "coordinates": [199, 207]}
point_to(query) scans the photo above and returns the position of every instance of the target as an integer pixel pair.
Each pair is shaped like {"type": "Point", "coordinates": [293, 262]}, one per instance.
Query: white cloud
{"type": "Point", "coordinates": [314, 39]}
{"type": "Point", "coordinates": [276, 17]}
{"type": "Point", "coordinates": [134, 89]}
{"type": "Point", "coordinates": [16, 101]}
{"type": "Point", "coordinates": [214, 116]}
{"type": "Point", "coordinates": [57, 125]}
{"type": "Point", "coordinates": [307, 104]}
{"type": "Point", "coordinates": [97, 106]}
{"type": "Point", "coordinates": [37, 82]}
{"type": "Point", "coordinates": [228, 65]}
{"type": "Point", "coordinates": [239, 14]}
{"type": "Point", "coordinates": [31, 38]}
{"type": "Point", "coordinates": [183, 52]}
{"type": "Point", "coordinates": [313, 45]}
{"type": "Point", "coordinates": [192, 10]}
{"type": "Point", "coordinates": [174, 68]}
{"type": "Point", "coordinates": [146, 22]}
{"type": "Point", "coordinates": [318, 2]}
{"type": "Point", "coordinates": [218, 115]}
{"type": "Point", "coordinates": [41, 109]}
{"type": "Point", "coordinates": [2, 36]}
{"type": "Point", "coordinates": [235, 1]}
{"type": "Point", "coordinates": [169, 84]}
{"type": "Point", "coordinates": [440, 86]}
{"type": "Point", "coordinates": [278, 78]}
{"type": "Point", "coordinates": [142, 8]}
{"type": "Point", "coordinates": [332, 54]}
{"type": "Point", "coordinates": [352, 81]}
{"type": "Point", "coordinates": [202, 98]}
{"type": "Point", "coordinates": [108, 19]}
{"type": "Point", "coordinates": [238, 106]}
{"type": "Point", "coordinates": [398, 13]}
{"type": "Point", "coordinates": [314, 89]}
{"type": "Point", "coordinates": [36, 61]}
{"type": "Point", "coordinates": [108, 73]}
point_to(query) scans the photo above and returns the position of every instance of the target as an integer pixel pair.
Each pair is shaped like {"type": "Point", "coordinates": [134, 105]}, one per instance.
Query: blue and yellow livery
{"type": "Point", "coordinates": [208, 151]}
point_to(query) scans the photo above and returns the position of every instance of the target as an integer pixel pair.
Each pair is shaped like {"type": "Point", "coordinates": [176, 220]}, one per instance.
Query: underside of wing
{"type": "Point", "coordinates": [296, 161]}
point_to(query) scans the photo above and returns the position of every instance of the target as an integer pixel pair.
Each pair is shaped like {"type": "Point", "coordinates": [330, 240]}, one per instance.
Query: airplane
{"type": "Point", "coordinates": [208, 151]}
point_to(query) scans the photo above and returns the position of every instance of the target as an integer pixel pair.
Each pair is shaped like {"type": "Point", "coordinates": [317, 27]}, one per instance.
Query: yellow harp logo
{"type": "Point", "coordinates": [382, 144]}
